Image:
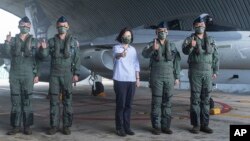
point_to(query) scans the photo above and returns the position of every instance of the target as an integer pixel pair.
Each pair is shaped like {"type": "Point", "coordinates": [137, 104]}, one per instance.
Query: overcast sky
{"type": "Point", "coordinates": [8, 23]}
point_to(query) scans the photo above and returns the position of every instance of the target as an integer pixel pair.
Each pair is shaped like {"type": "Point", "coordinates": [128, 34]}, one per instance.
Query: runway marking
{"type": "Point", "coordinates": [235, 115]}
{"type": "Point", "coordinates": [225, 108]}
{"type": "Point", "coordinates": [244, 101]}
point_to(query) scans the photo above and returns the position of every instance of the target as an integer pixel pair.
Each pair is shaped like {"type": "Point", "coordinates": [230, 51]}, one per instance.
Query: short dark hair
{"type": "Point", "coordinates": [62, 19]}
{"type": "Point", "coordinates": [119, 37]}
{"type": "Point", "coordinates": [25, 20]}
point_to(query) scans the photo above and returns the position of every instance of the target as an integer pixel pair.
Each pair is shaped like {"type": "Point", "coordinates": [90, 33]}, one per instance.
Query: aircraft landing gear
{"type": "Point", "coordinates": [97, 86]}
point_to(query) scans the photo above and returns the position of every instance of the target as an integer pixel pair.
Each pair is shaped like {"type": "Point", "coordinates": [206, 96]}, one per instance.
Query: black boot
{"type": "Point", "coordinates": [206, 129]}
{"type": "Point", "coordinates": [129, 132]}
{"type": "Point", "coordinates": [121, 132]}
{"type": "Point", "coordinates": [195, 129]}
{"type": "Point", "coordinates": [27, 130]}
{"type": "Point", "coordinates": [156, 131]}
{"type": "Point", "coordinates": [13, 131]}
{"type": "Point", "coordinates": [167, 130]}
{"type": "Point", "coordinates": [52, 131]}
{"type": "Point", "coordinates": [66, 131]}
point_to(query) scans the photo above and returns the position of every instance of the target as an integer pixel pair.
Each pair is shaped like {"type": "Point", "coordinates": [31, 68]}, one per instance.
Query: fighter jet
{"type": "Point", "coordinates": [233, 46]}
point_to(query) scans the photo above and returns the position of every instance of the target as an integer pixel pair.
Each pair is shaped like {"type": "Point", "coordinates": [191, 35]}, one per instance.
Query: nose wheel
{"type": "Point", "coordinates": [97, 86]}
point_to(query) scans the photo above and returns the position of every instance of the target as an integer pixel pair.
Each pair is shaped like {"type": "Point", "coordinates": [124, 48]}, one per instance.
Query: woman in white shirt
{"type": "Point", "coordinates": [126, 79]}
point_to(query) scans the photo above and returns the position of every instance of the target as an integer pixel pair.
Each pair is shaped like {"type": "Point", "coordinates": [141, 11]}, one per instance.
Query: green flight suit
{"type": "Point", "coordinates": [24, 67]}
{"type": "Point", "coordinates": [203, 62]}
{"type": "Point", "coordinates": [65, 62]}
{"type": "Point", "coordinates": [164, 70]}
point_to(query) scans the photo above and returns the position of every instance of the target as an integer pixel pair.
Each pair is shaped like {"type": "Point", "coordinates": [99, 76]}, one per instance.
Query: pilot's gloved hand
{"type": "Point", "coordinates": [155, 46]}
{"type": "Point", "coordinates": [8, 37]}
{"type": "Point", "coordinates": [42, 44]}
{"type": "Point", "coordinates": [193, 42]}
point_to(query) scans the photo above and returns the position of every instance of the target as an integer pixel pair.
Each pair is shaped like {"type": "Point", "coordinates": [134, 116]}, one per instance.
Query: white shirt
{"type": "Point", "coordinates": [125, 68]}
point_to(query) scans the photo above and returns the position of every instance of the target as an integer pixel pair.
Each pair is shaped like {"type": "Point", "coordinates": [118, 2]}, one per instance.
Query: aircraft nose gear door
{"type": "Point", "coordinates": [97, 86]}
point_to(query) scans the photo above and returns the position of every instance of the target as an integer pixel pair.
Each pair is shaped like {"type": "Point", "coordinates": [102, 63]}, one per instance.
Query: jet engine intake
{"type": "Point", "coordinates": [97, 60]}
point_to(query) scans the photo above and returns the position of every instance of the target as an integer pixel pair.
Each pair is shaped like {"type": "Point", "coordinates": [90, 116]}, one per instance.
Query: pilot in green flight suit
{"type": "Point", "coordinates": [164, 73]}
{"type": "Point", "coordinates": [203, 60]}
{"type": "Point", "coordinates": [65, 64]}
{"type": "Point", "coordinates": [22, 50]}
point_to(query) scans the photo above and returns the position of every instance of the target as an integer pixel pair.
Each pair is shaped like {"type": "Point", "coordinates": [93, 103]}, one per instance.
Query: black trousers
{"type": "Point", "coordinates": [124, 97]}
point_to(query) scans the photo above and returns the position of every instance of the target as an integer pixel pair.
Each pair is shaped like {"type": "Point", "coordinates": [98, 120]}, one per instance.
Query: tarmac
{"type": "Point", "coordinates": [94, 116]}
